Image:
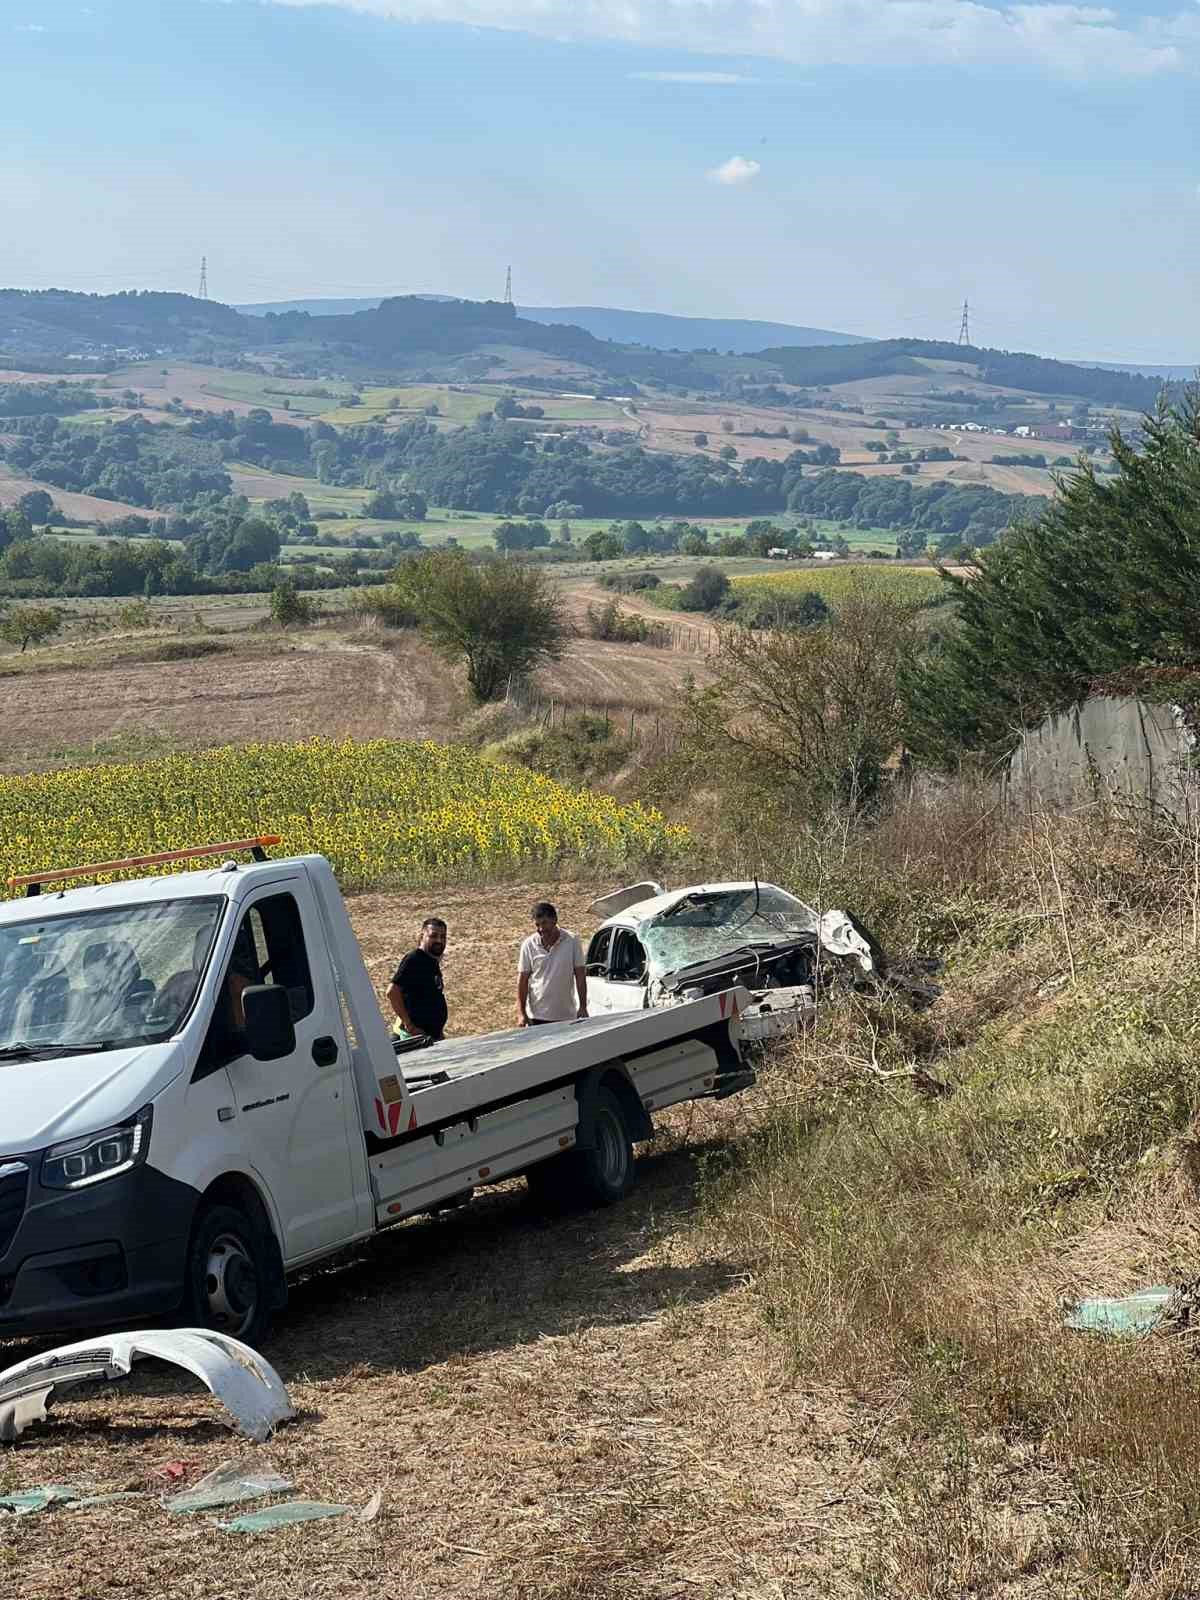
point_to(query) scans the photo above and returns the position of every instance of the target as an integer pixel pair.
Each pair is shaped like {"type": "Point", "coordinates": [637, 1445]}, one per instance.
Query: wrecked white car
{"type": "Point", "coordinates": [660, 948]}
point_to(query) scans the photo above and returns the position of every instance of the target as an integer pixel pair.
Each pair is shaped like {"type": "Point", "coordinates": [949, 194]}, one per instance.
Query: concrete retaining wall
{"type": "Point", "coordinates": [1125, 747]}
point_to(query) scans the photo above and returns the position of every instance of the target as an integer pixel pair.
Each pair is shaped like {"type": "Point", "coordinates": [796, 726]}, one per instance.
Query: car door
{"type": "Point", "coordinates": [620, 982]}
{"type": "Point", "coordinates": [294, 1112]}
{"type": "Point", "coordinates": [596, 968]}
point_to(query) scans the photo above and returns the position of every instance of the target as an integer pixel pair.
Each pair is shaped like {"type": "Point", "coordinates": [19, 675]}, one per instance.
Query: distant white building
{"type": "Point", "coordinates": [825, 555]}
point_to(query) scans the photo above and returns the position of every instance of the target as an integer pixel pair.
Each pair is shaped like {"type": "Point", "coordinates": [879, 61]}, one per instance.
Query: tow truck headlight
{"type": "Point", "coordinates": [79, 1163]}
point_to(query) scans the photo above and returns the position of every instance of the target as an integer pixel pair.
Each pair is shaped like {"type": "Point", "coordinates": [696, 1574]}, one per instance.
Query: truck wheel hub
{"type": "Point", "coordinates": [231, 1283]}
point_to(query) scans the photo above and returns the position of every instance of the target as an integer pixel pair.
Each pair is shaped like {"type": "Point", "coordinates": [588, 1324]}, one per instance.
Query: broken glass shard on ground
{"type": "Point", "coordinates": [284, 1516]}
{"type": "Point", "coordinates": [230, 1484]}
{"type": "Point", "coordinates": [1133, 1315]}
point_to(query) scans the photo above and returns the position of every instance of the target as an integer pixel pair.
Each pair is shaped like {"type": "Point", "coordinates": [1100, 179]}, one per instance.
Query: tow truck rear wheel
{"type": "Point", "coordinates": [599, 1174]}
{"type": "Point", "coordinates": [228, 1275]}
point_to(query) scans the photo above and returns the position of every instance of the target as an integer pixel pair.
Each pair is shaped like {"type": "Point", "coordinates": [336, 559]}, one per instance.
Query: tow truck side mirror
{"type": "Point", "coordinates": [269, 1031]}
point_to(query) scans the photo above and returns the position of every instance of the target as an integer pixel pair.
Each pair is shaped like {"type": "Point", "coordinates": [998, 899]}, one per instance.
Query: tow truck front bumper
{"type": "Point", "coordinates": [96, 1257]}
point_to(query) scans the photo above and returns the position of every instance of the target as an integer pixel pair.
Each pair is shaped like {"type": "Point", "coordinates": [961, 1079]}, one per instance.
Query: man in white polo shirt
{"type": "Point", "coordinates": [551, 982]}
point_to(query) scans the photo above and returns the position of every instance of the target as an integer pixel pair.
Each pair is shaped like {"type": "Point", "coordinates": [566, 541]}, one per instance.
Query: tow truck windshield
{"type": "Point", "coordinates": [101, 980]}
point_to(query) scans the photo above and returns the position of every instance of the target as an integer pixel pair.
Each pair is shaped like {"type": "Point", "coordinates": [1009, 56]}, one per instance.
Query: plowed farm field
{"type": "Point", "coordinates": [224, 699]}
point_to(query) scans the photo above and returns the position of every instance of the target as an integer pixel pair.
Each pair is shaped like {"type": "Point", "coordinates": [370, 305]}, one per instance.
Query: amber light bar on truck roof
{"type": "Point", "coordinates": [32, 882]}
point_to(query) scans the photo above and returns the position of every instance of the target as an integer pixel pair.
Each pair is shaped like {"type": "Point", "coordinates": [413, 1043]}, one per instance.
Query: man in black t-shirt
{"type": "Point", "coordinates": [416, 994]}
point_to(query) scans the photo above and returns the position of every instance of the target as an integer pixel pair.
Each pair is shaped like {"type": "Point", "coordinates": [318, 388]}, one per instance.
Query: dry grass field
{"type": "Point", "coordinates": [83, 700]}
{"type": "Point", "coordinates": [244, 691]}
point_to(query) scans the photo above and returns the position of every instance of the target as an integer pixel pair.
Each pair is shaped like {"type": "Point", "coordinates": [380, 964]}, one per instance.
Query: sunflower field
{"type": "Point", "coordinates": [919, 584]}
{"type": "Point", "coordinates": [382, 811]}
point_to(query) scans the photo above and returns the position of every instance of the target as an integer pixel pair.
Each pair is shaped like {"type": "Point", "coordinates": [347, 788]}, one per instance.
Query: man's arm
{"type": "Point", "coordinates": [395, 996]}
{"type": "Point", "coordinates": [522, 998]}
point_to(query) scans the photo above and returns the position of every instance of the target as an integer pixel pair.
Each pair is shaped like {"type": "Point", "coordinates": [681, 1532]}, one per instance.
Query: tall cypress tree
{"type": "Point", "coordinates": [1108, 579]}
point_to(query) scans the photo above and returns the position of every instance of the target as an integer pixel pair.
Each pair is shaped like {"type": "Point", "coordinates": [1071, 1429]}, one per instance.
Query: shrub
{"type": "Point", "coordinates": [290, 608]}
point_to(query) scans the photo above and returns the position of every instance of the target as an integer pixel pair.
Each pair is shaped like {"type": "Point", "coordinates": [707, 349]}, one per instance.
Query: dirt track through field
{"type": "Point", "coordinates": [585, 1408]}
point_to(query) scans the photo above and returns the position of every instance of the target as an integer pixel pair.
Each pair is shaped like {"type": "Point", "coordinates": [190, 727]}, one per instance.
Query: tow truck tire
{"type": "Point", "coordinates": [228, 1285]}
{"type": "Point", "coordinates": [599, 1174]}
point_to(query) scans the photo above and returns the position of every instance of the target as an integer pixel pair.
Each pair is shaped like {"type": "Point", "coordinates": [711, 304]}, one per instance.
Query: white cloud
{"type": "Point", "coordinates": [693, 77]}
{"type": "Point", "coordinates": [30, 27]}
{"type": "Point", "coordinates": [736, 170]}
{"type": "Point", "coordinates": [1074, 40]}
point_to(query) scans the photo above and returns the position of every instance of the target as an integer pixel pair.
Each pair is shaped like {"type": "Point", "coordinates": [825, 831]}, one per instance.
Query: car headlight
{"type": "Point", "coordinates": [81, 1162]}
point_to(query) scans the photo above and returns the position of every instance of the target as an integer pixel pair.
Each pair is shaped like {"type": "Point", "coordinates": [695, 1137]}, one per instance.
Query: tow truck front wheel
{"type": "Point", "coordinates": [228, 1277]}
{"type": "Point", "coordinates": [598, 1174]}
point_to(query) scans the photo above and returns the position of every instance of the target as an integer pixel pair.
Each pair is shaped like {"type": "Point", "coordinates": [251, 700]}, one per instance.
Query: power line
{"type": "Point", "coordinates": [964, 332]}
{"type": "Point", "coordinates": [203, 278]}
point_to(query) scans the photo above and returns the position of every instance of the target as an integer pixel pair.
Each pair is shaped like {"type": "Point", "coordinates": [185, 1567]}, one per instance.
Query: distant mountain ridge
{"type": "Point", "coordinates": [424, 335]}
{"type": "Point", "coordinates": [656, 330]}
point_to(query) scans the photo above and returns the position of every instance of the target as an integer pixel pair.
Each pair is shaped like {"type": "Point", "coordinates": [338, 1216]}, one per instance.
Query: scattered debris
{"type": "Point", "coordinates": [284, 1516]}
{"type": "Point", "coordinates": [26, 1501]}
{"type": "Point", "coordinates": [1133, 1316]}
{"type": "Point", "coordinates": [238, 1376]}
{"type": "Point", "coordinates": [373, 1508]}
{"type": "Point", "coordinates": [230, 1484]}
{"type": "Point", "coordinates": [106, 1499]}
{"type": "Point", "coordinates": [172, 1471]}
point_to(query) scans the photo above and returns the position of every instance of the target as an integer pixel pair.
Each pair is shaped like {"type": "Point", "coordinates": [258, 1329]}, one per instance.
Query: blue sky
{"type": "Point", "coordinates": [852, 164]}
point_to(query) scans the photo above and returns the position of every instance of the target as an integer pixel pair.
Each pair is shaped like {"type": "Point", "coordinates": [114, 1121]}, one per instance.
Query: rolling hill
{"type": "Point", "coordinates": [656, 330]}
{"type": "Point", "coordinates": [426, 337]}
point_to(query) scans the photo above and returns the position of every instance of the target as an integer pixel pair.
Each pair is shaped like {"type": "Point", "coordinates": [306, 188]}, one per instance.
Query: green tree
{"type": "Point", "coordinates": [728, 452]}
{"type": "Point", "coordinates": [707, 590]}
{"type": "Point", "coordinates": [700, 440]}
{"type": "Point", "coordinates": [1106, 580]}
{"type": "Point", "coordinates": [601, 545]}
{"type": "Point", "coordinates": [290, 608]}
{"type": "Point", "coordinates": [26, 625]}
{"type": "Point", "coordinates": [37, 505]}
{"type": "Point", "coordinates": [381, 505]}
{"type": "Point", "coordinates": [502, 618]}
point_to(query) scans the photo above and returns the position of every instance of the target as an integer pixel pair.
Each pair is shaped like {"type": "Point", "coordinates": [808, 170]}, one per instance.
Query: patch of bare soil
{"type": "Point", "coordinates": [300, 691]}
{"type": "Point", "coordinates": [575, 1409]}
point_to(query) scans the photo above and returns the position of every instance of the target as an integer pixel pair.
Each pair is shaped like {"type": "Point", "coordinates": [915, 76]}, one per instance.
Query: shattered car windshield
{"type": "Point", "coordinates": [707, 924]}
{"type": "Point", "coordinates": [102, 979]}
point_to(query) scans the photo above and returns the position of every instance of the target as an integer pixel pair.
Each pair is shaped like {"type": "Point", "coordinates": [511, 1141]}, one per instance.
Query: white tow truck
{"type": "Point", "coordinates": [200, 1096]}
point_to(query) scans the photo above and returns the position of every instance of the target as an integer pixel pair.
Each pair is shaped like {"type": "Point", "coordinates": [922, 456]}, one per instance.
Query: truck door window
{"type": "Point", "coordinates": [597, 956]}
{"type": "Point", "coordinates": [269, 948]}
{"type": "Point", "coordinates": [628, 958]}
